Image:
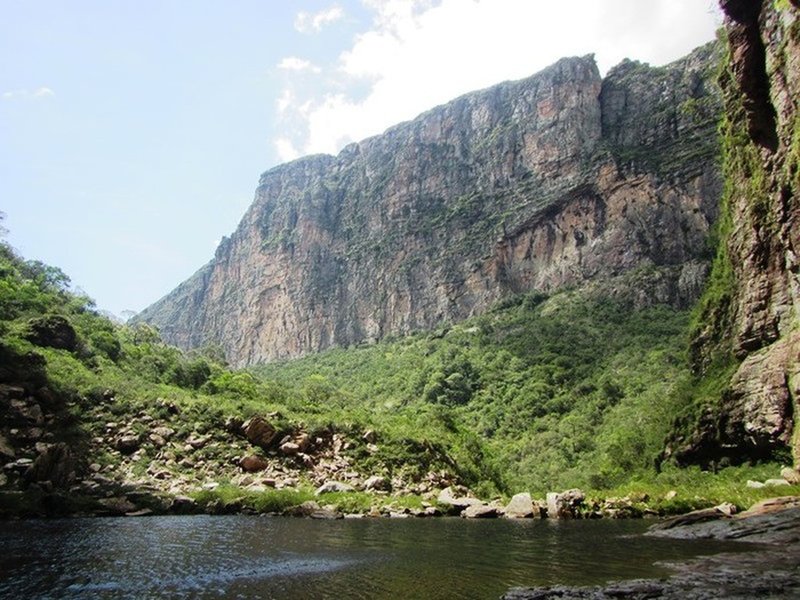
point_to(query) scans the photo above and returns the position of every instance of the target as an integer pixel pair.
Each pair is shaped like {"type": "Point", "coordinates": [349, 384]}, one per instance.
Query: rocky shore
{"type": "Point", "coordinates": [771, 570]}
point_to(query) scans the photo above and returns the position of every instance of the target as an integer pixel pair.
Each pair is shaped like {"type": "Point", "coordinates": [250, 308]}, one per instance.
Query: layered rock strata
{"type": "Point", "coordinates": [537, 184]}
{"type": "Point", "coordinates": [751, 313]}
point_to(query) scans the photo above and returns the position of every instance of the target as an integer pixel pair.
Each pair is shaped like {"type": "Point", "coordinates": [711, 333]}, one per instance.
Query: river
{"type": "Point", "coordinates": [272, 557]}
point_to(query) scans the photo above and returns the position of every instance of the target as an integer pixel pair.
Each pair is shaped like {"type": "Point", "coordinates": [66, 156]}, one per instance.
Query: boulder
{"type": "Point", "coordinates": [377, 483]}
{"type": "Point", "coordinates": [55, 464]}
{"type": "Point", "coordinates": [182, 504]}
{"type": "Point", "coordinates": [521, 507]}
{"type": "Point", "coordinates": [234, 424]}
{"type": "Point", "coordinates": [253, 463]}
{"type": "Point", "coordinates": [754, 484]}
{"type": "Point", "coordinates": [564, 505]}
{"type": "Point", "coordinates": [290, 448]}
{"type": "Point", "coordinates": [791, 475]}
{"type": "Point", "coordinates": [306, 509]}
{"type": "Point", "coordinates": [117, 505]}
{"type": "Point", "coordinates": [326, 512]}
{"type": "Point", "coordinates": [128, 443]}
{"type": "Point", "coordinates": [775, 482]}
{"type": "Point", "coordinates": [303, 442]}
{"type": "Point", "coordinates": [6, 449]}
{"type": "Point", "coordinates": [333, 486]}
{"type": "Point", "coordinates": [157, 440]}
{"type": "Point", "coordinates": [479, 511]}
{"type": "Point", "coordinates": [259, 432]}
{"type": "Point", "coordinates": [448, 496]}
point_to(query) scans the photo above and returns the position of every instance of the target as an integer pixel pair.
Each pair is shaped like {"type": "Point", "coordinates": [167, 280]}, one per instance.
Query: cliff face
{"type": "Point", "coordinates": [750, 314]}
{"type": "Point", "coordinates": [554, 180]}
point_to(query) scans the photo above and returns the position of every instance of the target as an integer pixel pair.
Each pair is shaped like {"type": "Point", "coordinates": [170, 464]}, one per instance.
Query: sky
{"type": "Point", "coordinates": [133, 132]}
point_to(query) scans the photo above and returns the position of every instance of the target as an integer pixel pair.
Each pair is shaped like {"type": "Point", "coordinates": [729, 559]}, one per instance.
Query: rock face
{"type": "Point", "coordinates": [752, 310]}
{"type": "Point", "coordinates": [554, 180]}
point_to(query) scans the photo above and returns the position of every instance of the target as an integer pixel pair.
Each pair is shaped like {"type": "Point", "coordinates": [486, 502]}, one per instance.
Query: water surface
{"type": "Point", "coordinates": [263, 557]}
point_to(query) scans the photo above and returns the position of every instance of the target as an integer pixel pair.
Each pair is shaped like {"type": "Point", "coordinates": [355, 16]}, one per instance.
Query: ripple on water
{"type": "Point", "coordinates": [251, 557]}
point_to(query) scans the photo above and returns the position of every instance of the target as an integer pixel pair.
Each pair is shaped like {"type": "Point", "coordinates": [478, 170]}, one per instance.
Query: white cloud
{"type": "Point", "coordinates": [43, 92]}
{"type": "Point", "coordinates": [306, 22]}
{"type": "Point", "coordinates": [418, 54]}
{"type": "Point", "coordinates": [293, 63]}
{"type": "Point", "coordinates": [40, 92]}
{"type": "Point", "coordinates": [286, 150]}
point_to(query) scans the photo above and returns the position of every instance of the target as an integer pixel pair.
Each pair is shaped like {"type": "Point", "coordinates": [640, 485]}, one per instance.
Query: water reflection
{"type": "Point", "coordinates": [257, 557]}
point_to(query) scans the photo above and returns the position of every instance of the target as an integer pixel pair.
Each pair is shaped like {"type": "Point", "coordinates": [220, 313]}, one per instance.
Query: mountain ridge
{"type": "Point", "coordinates": [526, 185]}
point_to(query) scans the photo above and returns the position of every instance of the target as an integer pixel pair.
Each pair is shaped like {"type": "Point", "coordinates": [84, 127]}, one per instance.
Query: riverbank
{"type": "Point", "coordinates": [771, 571]}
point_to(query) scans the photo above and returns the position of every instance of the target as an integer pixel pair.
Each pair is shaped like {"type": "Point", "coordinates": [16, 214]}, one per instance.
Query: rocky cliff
{"type": "Point", "coordinates": [551, 181]}
{"type": "Point", "coordinates": [749, 316]}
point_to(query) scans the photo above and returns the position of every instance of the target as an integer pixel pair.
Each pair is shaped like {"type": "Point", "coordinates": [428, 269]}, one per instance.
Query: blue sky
{"type": "Point", "coordinates": [133, 133]}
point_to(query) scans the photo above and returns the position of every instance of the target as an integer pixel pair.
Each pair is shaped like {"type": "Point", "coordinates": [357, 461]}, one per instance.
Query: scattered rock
{"type": "Point", "coordinates": [157, 440]}
{"type": "Point", "coordinates": [290, 448]}
{"type": "Point", "coordinates": [775, 482]}
{"type": "Point", "coordinates": [183, 504]}
{"type": "Point", "coordinates": [370, 436]}
{"type": "Point", "coordinates": [670, 495]}
{"type": "Point", "coordinates": [377, 483]}
{"type": "Point", "coordinates": [196, 442]}
{"type": "Point", "coordinates": [303, 510]}
{"type": "Point", "coordinates": [564, 505]}
{"type": "Point", "coordinates": [521, 507]}
{"type": "Point", "coordinates": [259, 432]}
{"type": "Point", "coordinates": [326, 513]}
{"type": "Point", "coordinates": [127, 444]}
{"type": "Point", "coordinates": [233, 424]}
{"type": "Point", "coordinates": [253, 463]}
{"type": "Point", "coordinates": [6, 449]}
{"type": "Point", "coordinates": [117, 505]}
{"type": "Point", "coordinates": [55, 464]}
{"type": "Point", "coordinates": [333, 486]}
{"type": "Point", "coordinates": [754, 484]}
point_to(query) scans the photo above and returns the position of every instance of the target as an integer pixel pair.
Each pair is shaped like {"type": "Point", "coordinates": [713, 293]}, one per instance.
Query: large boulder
{"type": "Point", "coordinates": [480, 511]}
{"type": "Point", "coordinates": [259, 432]}
{"type": "Point", "coordinates": [55, 464]}
{"type": "Point", "coordinates": [564, 505]}
{"type": "Point", "coordinates": [451, 497]}
{"type": "Point", "coordinates": [521, 507]}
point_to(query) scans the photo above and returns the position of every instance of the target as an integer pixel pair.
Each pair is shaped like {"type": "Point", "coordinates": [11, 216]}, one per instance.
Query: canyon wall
{"type": "Point", "coordinates": [747, 340]}
{"type": "Point", "coordinates": [555, 180]}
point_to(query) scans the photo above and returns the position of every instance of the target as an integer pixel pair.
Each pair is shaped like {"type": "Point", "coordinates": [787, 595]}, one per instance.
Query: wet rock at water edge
{"type": "Point", "coordinates": [521, 507]}
{"type": "Point", "coordinates": [564, 505]}
{"type": "Point", "coordinates": [480, 511]}
{"type": "Point", "coordinates": [449, 497]}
